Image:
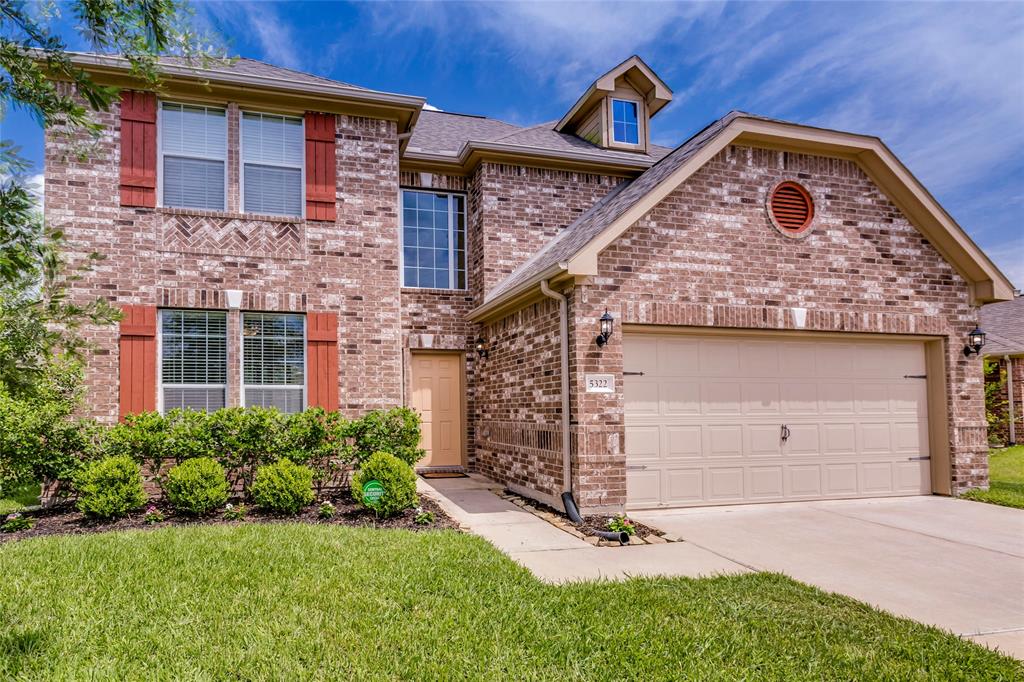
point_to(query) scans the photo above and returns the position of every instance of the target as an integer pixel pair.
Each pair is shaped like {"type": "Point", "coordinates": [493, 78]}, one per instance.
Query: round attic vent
{"type": "Point", "coordinates": [791, 208]}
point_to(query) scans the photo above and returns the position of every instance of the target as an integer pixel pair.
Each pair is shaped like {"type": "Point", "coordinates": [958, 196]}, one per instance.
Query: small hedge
{"type": "Point", "coordinates": [197, 486]}
{"type": "Point", "coordinates": [110, 487]}
{"type": "Point", "coordinates": [395, 476]}
{"type": "Point", "coordinates": [283, 487]}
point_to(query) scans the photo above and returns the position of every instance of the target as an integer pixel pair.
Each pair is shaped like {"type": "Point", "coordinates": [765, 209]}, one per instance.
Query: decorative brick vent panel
{"type": "Point", "coordinates": [232, 236]}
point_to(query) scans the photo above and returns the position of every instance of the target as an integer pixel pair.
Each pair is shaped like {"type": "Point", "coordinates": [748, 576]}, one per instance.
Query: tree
{"type": "Point", "coordinates": [39, 323]}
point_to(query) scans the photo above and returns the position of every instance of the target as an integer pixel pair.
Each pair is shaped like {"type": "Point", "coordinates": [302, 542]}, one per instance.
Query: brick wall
{"type": "Point", "coordinates": [189, 258]}
{"type": "Point", "coordinates": [999, 432]}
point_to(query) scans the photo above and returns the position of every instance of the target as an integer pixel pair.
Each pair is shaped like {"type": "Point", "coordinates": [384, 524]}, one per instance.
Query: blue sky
{"type": "Point", "coordinates": [941, 84]}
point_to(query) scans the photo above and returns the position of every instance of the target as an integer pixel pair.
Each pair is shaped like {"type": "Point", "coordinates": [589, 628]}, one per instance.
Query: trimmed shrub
{"type": "Point", "coordinates": [110, 487]}
{"type": "Point", "coordinates": [395, 476]}
{"type": "Point", "coordinates": [197, 486]}
{"type": "Point", "coordinates": [396, 431]}
{"type": "Point", "coordinates": [317, 439]}
{"type": "Point", "coordinates": [283, 487]}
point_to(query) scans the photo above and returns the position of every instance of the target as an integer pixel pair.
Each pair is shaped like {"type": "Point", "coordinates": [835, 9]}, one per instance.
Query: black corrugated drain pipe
{"type": "Point", "coordinates": [574, 516]}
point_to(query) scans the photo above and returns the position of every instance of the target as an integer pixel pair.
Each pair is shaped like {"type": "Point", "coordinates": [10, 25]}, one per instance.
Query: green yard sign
{"type": "Point", "coordinates": [372, 492]}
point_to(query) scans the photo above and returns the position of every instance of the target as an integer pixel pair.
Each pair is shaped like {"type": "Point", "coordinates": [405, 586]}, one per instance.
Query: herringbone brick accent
{"type": "Point", "coordinates": [232, 236]}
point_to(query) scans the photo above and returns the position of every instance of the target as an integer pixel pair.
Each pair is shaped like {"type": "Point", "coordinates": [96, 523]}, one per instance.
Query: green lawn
{"type": "Point", "coordinates": [294, 602]}
{"type": "Point", "coordinates": [1006, 479]}
{"type": "Point", "coordinates": [23, 496]}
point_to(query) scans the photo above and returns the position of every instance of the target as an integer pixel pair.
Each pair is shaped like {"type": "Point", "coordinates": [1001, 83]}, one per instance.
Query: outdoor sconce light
{"type": "Point", "coordinates": [606, 328]}
{"type": "Point", "coordinates": [975, 342]}
{"type": "Point", "coordinates": [481, 348]}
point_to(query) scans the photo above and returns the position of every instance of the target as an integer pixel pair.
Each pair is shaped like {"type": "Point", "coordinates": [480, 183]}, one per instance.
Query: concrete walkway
{"type": "Point", "coordinates": [552, 554]}
{"type": "Point", "coordinates": [946, 562]}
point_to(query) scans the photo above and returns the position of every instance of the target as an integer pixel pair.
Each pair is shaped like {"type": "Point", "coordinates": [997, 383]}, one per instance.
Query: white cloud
{"type": "Point", "coordinates": [259, 20]}
{"type": "Point", "coordinates": [37, 187]}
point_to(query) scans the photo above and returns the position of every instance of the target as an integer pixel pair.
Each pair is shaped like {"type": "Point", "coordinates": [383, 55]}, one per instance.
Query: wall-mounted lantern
{"type": "Point", "coordinates": [975, 342]}
{"type": "Point", "coordinates": [607, 322]}
{"type": "Point", "coordinates": [481, 348]}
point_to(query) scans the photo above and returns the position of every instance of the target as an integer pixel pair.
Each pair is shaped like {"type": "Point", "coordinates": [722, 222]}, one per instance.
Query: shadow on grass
{"type": "Point", "coordinates": [18, 647]}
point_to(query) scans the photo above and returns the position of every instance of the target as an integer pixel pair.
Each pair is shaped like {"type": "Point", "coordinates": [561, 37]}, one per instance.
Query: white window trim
{"type": "Point", "coordinates": [640, 132]}
{"type": "Point", "coordinates": [452, 271]}
{"type": "Point", "coordinates": [301, 166]}
{"type": "Point", "coordinates": [305, 358]}
{"type": "Point", "coordinates": [160, 358]}
{"type": "Point", "coordinates": [160, 153]}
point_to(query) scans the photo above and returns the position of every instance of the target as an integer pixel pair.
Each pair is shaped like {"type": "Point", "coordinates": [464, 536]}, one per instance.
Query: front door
{"type": "Point", "coordinates": [437, 396]}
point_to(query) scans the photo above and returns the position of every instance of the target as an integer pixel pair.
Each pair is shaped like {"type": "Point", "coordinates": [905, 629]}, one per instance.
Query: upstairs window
{"type": "Point", "coordinates": [193, 149]}
{"type": "Point", "coordinates": [433, 240]}
{"type": "Point", "coordinates": [625, 121]}
{"type": "Point", "coordinates": [272, 160]}
{"type": "Point", "coordinates": [274, 361]}
{"type": "Point", "coordinates": [193, 359]}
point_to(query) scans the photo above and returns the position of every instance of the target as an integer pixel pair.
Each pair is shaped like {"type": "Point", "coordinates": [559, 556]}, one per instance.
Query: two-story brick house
{"type": "Point", "coordinates": [784, 308]}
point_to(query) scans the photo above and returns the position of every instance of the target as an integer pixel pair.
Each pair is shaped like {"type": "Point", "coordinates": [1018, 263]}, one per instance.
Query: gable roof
{"type": "Point", "coordinates": [636, 71]}
{"type": "Point", "coordinates": [448, 138]}
{"type": "Point", "coordinates": [1003, 324]}
{"type": "Point", "coordinates": [574, 251]}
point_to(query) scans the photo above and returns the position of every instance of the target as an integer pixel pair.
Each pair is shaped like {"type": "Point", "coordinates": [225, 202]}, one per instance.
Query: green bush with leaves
{"type": "Point", "coordinates": [110, 487]}
{"type": "Point", "coordinates": [197, 486]}
{"type": "Point", "coordinates": [396, 431]}
{"type": "Point", "coordinates": [396, 478]}
{"type": "Point", "coordinates": [319, 440]}
{"type": "Point", "coordinates": [283, 487]}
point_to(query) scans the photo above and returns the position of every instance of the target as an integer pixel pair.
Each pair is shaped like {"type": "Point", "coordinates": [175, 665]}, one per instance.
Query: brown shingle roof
{"type": "Point", "coordinates": [580, 232]}
{"type": "Point", "coordinates": [1003, 323]}
{"type": "Point", "coordinates": [442, 132]}
{"type": "Point", "coordinates": [244, 66]}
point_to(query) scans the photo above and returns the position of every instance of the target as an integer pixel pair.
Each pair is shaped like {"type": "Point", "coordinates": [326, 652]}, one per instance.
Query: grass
{"type": "Point", "coordinates": [1006, 479]}
{"type": "Point", "coordinates": [19, 498]}
{"type": "Point", "coordinates": [297, 602]}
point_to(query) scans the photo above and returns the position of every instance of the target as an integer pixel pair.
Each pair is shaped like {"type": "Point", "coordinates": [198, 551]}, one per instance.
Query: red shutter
{"type": "Point", "coordinates": [138, 359]}
{"type": "Point", "coordinates": [138, 149]}
{"type": "Point", "coordinates": [321, 171]}
{"type": "Point", "coordinates": [322, 360]}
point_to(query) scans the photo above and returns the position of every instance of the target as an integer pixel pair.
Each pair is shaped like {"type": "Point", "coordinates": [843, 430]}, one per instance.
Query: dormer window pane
{"type": "Point", "coordinates": [625, 124]}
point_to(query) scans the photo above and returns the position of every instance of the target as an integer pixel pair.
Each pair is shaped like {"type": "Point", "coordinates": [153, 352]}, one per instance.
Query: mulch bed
{"type": "Point", "coordinates": [600, 522]}
{"type": "Point", "coordinates": [66, 520]}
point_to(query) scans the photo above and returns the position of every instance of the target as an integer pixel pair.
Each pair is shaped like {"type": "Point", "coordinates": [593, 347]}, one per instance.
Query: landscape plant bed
{"type": "Point", "coordinates": [644, 535]}
{"type": "Point", "coordinates": [65, 519]}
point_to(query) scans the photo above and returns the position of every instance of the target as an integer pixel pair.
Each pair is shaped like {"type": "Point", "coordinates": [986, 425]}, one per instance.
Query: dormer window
{"type": "Point", "coordinates": [625, 121]}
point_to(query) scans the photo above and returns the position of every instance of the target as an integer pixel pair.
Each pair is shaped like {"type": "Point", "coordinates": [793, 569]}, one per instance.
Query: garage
{"type": "Point", "coordinates": [717, 419]}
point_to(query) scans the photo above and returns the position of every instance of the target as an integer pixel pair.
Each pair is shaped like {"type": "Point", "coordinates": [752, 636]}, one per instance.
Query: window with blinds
{"type": "Point", "coordinates": [274, 361]}
{"type": "Point", "coordinates": [193, 149]}
{"type": "Point", "coordinates": [272, 158]}
{"type": "Point", "coordinates": [433, 240]}
{"type": "Point", "coordinates": [193, 359]}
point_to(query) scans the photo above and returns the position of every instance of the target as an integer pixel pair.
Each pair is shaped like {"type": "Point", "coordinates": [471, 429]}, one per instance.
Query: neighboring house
{"type": "Point", "coordinates": [1003, 323]}
{"type": "Point", "coordinates": [785, 306]}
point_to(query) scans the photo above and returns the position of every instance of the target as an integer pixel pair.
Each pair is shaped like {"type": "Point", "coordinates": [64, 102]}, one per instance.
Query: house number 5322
{"type": "Point", "coordinates": [600, 383]}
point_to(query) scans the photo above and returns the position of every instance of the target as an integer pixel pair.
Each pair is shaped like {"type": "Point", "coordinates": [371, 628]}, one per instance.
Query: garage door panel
{"type": "Point", "coordinates": [705, 425]}
{"type": "Point", "coordinates": [684, 485]}
{"type": "Point", "coordinates": [759, 359]}
{"type": "Point", "coordinates": [680, 397]}
{"type": "Point", "coordinates": [799, 399]}
{"type": "Point", "coordinates": [719, 358]}
{"type": "Point", "coordinates": [725, 483]}
{"type": "Point", "coordinates": [682, 442]}
{"type": "Point", "coordinates": [764, 440]}
{"type": "Point", "coordinates": [721, 398]}
{"type": "Point", "coordinates": [723, 440]}
{"type": "Point", "coordinates": [643, 442]}
{"type": "Point", "coordinates": [765, 482]}
{"type": "Point", "coordinates": [760, 398]}
{"type": "Point", "coordinates": [804, 480]}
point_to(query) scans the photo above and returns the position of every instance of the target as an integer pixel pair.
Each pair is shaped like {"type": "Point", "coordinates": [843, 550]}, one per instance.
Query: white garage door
{"type": "Point", "coordinates": [719, 420]}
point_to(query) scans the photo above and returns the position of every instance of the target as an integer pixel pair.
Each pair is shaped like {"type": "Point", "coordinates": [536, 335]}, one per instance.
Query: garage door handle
{"type": "Point", "coordinates": [785, 433]}
{"type": "Point", "coordinates": [917, 459]}
{"type": "Point", "coordinates": [635, 467]}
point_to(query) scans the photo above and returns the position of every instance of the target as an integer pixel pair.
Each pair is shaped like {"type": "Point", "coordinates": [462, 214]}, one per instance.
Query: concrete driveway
{"type": "Point", "coordinates": [946, 562]}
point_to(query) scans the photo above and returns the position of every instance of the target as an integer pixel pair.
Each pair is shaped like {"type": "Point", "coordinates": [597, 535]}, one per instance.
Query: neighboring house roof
{"type": "Point", "coordinates": [445, 137]}
{"type": "Point", "coordinates": [573, 252]}
{"type": "Point", "coordinates": [1003, 324]}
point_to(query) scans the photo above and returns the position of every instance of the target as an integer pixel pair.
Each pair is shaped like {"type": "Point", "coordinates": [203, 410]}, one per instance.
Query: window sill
{"type": "Point", "coordinates": [203, 213]}
{"type": "Point", "coordinates": [434, 290]}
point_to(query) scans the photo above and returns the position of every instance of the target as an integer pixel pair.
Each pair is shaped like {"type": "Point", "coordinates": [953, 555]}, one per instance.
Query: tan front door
{"type": "Point", "coordinates": [720, 420]}
{"type": "Point", "coordinates": [437, 396]}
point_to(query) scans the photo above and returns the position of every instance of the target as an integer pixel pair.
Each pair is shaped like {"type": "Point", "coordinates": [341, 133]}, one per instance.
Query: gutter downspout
{"type": "Point", "coordinates": [563, 329]}
{"type": "Point", "coordinates": [1009, 393]}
